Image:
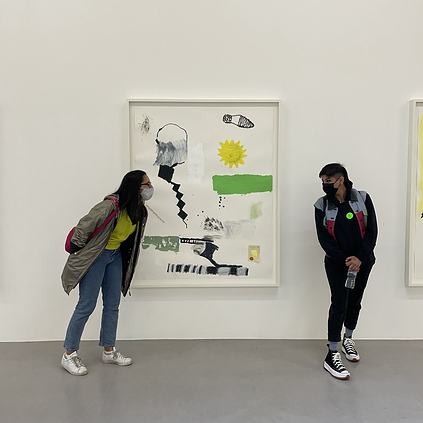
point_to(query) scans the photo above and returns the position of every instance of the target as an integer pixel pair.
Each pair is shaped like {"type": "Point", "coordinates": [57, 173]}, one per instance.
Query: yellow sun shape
{"type": "Point", "coordinates": [232, 153]}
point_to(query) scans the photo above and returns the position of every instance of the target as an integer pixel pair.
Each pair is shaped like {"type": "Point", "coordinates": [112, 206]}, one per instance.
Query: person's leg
{"type": "Point", "coordinates": [355, 297]}
{"type": "Point", "coordinates": [339, 296]}
{"type": "Point", "coordinates": [336, 275]}
{"type": "Point", "coordinates": [89, 287]}
{"type": "Point", "coordinates": [111, 290]}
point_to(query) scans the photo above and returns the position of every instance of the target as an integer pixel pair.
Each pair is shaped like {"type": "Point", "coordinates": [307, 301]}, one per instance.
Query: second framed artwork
{"type": "Point", "coordinates": [414, 237]}
{"type": "Point", "coordinates": [214, 217]}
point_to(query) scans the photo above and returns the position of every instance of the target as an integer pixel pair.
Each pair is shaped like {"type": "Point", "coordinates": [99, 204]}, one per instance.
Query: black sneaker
{"type": "Point", "coordinates": [348, 348]}
{"type": "Point", "coordinates": [333, 364]}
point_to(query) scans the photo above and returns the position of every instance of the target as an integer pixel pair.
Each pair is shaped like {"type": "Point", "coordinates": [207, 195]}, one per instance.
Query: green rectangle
{"type": "Point", "coordinates": [162, 243]}
{"type": "Point", "coordinates": [242, 184]}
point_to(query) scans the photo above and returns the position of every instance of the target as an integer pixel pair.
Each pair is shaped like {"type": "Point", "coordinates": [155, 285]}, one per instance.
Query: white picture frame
{"type": "Point", "coordinates": [220, 158]}
{"type": "Point", "coordinates": [414, 229]}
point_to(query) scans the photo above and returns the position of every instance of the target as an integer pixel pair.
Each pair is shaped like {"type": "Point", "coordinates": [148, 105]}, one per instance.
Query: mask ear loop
{"type": "Point", "coordinates": [337, 180]}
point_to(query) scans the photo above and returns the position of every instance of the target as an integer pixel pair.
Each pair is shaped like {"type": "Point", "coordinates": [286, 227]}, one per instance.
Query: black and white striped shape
{"type": "Point", "coordinates": [207, 270]}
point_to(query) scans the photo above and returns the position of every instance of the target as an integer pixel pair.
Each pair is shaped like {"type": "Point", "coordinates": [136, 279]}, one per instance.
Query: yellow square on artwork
{"type": "Point", "coordinates": [254, 253]}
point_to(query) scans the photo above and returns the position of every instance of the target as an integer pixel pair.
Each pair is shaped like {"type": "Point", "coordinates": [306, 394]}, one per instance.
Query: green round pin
{"type": "Point", "coordinates": [350, 215]}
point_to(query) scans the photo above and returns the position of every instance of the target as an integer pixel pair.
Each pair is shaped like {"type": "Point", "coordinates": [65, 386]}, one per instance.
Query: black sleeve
{"type": "Point", "coordinates": [369, 240]}
{"type": "Point", "coordinates": [74, 248]}
{"type": "Point", "coordinates": [326, 240]}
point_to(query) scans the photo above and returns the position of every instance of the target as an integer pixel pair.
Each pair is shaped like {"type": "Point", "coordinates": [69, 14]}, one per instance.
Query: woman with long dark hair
{"type": "Point", "coordinates": [347, 231]}
{"type": "Point", "coordinates": [107, 261]}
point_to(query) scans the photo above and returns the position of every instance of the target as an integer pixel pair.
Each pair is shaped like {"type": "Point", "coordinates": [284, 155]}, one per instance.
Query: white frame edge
{"type": "Point", "coordinates": [413, 150]}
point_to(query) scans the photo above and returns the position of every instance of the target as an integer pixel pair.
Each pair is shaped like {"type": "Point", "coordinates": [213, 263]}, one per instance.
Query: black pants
{"type": "Point", "coordinates": [345, 303]}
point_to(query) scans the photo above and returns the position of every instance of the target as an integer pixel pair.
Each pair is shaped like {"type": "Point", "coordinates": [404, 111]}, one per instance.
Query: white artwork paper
{"type": "Point", "coordinates": [214, 169]}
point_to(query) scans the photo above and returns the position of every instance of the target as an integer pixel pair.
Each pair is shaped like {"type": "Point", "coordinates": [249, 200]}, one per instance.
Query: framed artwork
{"type": "Point", "coordinates": [414, 241]}
{"type": "Point", "coordinates": [214, 217]}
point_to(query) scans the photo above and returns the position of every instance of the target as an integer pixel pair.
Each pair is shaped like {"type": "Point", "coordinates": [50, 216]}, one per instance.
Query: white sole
{"type": "Point", "coordinates": [117, 364]}
{"type": "Point", "coordinates": [335, 374]}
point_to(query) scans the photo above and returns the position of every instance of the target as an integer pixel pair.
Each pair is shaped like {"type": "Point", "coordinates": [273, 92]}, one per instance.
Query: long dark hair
{"type": "Point", "coordinates": [332, 169]}
{"type": "Point", "coordinates": [129, 195]}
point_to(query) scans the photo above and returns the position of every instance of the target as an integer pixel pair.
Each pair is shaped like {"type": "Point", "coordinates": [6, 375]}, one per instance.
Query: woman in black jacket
{"type": "Point", "coordinates": [347, 231]}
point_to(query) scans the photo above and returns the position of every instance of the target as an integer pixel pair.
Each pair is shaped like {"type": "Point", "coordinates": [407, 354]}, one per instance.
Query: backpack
{"type": "Point", "coordinates": [99, 229]}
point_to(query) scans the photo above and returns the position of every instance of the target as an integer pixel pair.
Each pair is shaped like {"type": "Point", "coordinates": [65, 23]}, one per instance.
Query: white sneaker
{"type": "Point", "coordinates": [116, 357]}
{"type": "Point", "coordinates": [73, 364]}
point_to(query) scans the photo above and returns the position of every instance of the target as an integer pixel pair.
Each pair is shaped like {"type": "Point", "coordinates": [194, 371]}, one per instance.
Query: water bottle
{"type": "Point", "coordinates": [350, 282]}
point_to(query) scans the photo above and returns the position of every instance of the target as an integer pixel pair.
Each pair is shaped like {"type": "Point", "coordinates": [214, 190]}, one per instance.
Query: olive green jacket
{"type": "Point", "coordinates": [79, 262]}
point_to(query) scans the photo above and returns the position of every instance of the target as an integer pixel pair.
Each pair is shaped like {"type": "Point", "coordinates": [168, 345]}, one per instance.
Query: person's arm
{"type": "Point", "coordinates": [369, 240]}
{"type": "Point", "coordinates": [326, 240]}
{"type": "Point", "coordinates": [88, 224]}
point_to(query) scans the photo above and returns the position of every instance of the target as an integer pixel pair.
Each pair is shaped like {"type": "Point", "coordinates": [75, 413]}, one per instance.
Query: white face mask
{"type": "Point", "coordinates": [147, 193]}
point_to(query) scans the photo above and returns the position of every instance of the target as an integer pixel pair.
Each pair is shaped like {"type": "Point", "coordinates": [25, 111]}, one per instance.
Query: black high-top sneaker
{"type": "Point", "coordinates": [348, 348]}
{"type": "Point", "coordinates": [333, 364]}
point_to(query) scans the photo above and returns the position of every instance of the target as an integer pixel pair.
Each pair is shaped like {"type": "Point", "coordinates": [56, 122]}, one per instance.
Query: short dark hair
{"type": "Point", "coordinates": [332, 169]}
{"type": "Point", "coordinates": [129, 195]}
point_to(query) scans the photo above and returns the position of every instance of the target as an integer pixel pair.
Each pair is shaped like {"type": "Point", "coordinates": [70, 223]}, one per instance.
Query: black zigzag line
{"type": "Point", "coordinates": [180, 203]}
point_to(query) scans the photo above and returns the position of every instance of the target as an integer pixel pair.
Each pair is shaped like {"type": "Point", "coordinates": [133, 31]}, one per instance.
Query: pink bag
{"type": "Point", "coordinates": [69, 237]}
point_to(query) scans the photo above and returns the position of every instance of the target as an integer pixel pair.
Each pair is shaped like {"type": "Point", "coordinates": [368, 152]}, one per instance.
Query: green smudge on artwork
{"type": "Point", "coordinates": [255, 210]}
{"type": "Point", "coordinates": [162, 243]}
{"type": "Point", "coordinates": [242, 184]}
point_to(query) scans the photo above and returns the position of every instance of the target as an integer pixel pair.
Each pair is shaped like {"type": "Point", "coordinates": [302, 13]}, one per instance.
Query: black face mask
{"type": "Point", "coordinates": [329, 189]}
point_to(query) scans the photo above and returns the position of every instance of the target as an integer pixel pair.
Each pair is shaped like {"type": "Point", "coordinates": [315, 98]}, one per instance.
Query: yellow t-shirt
{"type": "Point", "coordinates": [123, 229]}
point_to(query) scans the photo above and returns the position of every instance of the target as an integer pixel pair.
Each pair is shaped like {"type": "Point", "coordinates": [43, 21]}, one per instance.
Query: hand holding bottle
{"type": "Point", "coordinates": [353, 264]}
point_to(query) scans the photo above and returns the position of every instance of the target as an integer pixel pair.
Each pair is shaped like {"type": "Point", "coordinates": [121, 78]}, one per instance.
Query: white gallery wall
{"type": "Point", "coordinates": [344, 72]}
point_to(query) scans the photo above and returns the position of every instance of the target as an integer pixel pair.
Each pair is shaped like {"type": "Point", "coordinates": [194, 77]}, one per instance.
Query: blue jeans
{"type": "Point", "coordinates": [104, 273]}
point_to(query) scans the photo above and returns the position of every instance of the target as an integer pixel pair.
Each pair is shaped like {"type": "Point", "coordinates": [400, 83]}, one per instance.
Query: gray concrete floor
{"type": "Point", "coordinates": [220, 381]}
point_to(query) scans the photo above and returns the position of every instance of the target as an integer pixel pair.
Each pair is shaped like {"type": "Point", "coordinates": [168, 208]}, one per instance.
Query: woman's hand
{"type": "Point", "coordinates": [353, 264]}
